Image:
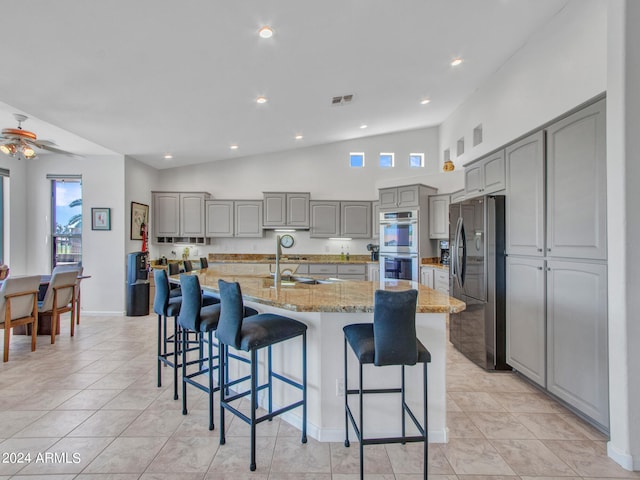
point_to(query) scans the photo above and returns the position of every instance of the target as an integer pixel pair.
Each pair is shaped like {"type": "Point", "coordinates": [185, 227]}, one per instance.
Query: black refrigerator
{"type": "Point", "coordinates": [137, 284]}
{"type": "Point", "coordinates": [477, 277]}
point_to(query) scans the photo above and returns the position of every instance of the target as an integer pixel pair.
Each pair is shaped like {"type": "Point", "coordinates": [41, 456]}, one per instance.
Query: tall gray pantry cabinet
{"type": "Point", "coordinates": [557, 260]}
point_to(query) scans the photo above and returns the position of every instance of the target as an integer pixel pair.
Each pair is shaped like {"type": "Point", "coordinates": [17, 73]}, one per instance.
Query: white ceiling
{"type": "Point", "coordinates": [149, 77]}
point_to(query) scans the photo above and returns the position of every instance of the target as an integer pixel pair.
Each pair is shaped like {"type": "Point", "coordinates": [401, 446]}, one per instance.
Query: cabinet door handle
{"type": "Point", "coordinates": [539, 268]}
{"type": "Point", "coordinates": [548, 249]}
{"type": "Point", "coordinates": [539, 249]}
{"type": "Point", "coordinates": [548, 269]}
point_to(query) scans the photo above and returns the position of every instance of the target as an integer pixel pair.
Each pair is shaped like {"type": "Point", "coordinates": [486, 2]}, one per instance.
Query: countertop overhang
{"type": "Point", "coordinates": [339, 296]}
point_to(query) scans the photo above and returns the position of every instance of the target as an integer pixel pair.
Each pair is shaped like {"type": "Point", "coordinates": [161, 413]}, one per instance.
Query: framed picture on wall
{"type": "Point", "coordinates": [139, 216]}
{"type": "Point", "coordinates": [100, 219]}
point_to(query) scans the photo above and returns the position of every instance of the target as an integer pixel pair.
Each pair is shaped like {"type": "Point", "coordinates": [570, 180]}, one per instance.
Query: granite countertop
{"type": "Point", "coordinates": [340, 296]}
{"type": "Point", "coordinates": [287, 258]}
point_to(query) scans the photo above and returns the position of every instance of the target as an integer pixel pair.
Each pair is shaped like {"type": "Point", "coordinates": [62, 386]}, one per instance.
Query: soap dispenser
{"type": "Point", "coordinates": [342, 252]}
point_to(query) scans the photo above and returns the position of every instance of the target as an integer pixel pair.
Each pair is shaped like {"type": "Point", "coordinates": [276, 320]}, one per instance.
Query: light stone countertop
{"type": "Point", "coordinates": [340, 296]}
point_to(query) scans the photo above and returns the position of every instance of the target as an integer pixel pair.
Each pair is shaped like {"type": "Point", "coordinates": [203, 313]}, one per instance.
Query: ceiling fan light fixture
{"type": "Point", "coordinates": [28, 152]}
{"type": "Point", "coordinates": [8, 149]}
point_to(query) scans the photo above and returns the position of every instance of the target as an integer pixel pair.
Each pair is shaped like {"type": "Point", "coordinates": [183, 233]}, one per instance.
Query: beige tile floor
{"type": "Point", "coordinates": [95, 396]}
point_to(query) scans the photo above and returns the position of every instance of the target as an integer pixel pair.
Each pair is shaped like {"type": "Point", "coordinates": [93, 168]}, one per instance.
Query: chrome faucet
{"type": "Point", "coordinates": [278, 276]}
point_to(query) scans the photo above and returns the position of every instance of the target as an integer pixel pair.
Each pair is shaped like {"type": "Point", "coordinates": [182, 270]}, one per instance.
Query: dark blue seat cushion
{"type": "Point", "coordinates": [173, 307]}
{"type": "Point", "coordinates": [209, 317]}
{"type": "Point", "coordinates": [265, 329]}
{"type": "Point", "coordinates": [360, 338]}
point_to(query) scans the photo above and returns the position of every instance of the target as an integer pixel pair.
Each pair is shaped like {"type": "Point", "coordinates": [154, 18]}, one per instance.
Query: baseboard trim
{"type": "Point", "coordinates": [623, 459]}
{"type": "Point", "coordinates": [98, 313]}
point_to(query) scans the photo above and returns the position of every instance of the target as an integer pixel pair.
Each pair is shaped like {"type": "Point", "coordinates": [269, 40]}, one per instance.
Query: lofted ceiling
{"type": "Point", "coordinates": [149, 77]}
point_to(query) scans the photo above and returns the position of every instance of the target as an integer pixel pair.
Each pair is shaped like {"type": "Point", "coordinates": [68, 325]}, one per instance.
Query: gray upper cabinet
{"type": "Point", "coordinates": [439, 216]}
{"type": "Point", "coordinates": [166, 214]}
{"type": "Point", "coordinates": [525, 313]}
{"type": "Point", "coordinates": [355, 219]}
{"type": "Point", "coordinates": [179, 217]}
{"type": "Point", "coordinates": [325, 219]}
{"type": "Point", "coordinates": [375, 220]}
{"type": "Point", "coordinates": [286, 210]}
{"type": "Point", "coordinates": [340, 219]}
{"type": "Point", "coordinates": [485, 175]}
{"type": "Point", "coordinates": [248, 218]}
{"type": "Point", "coordinates": [192, 223]}
{"type": "Point", "coordinates": [405, 196]}
{"type": "Point", "coordinates": [577, 343]}
{"type": "Point", "coordinates": [525, 196]}
{"type": "Point", "coordinates": [234, 218]}
{"type": "Point", "coordinates": [576, 185]}
{"type": "Point", "coordinates": [219, 218]}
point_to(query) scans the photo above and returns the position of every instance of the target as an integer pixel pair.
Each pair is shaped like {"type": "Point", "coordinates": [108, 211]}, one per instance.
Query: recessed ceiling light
{"type": "Point", "coordinates": [424, 101]}
{"type": "Point", "coordinates": [299, 137]}
{"type": "Point", "coordinates": [261, 100]}
{"type": "Point", "coordinates": [168, 156]}
{"type": "Point", "coordinates": [233, 147]}
{"type": "Point", "coordinates": [456, 61]}
{"type": "Point", "coordinates": [265, 32]}
{"type": "Point", "coordinates": [363, 126]}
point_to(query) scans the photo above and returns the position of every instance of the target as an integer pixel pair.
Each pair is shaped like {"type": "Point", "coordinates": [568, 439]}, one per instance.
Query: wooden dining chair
{"type": "Point", "coordinates": [19, 306]}
{"type": "Point", "coordinates": [79, 269]}
{"type": "Point", "coordinates": [60, 298]}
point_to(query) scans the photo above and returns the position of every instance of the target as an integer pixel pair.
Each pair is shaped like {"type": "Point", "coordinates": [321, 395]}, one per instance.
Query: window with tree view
{"type": "Point", "coordinates": [66, 202]}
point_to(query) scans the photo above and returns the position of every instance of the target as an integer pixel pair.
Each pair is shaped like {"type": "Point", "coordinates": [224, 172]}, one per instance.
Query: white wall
{"type": "Point", "coordinates": [561, 66]}
{"type": "Point", "coordinates": [140, 179]}
{"type": "Point", "coordinates": [103, 254]}
{"type": "Point", "coordinates": [321, 170]}
{"type": "Point", "coordinates": [623, 218]}
{"type": "Point", "coordinates": [15, 211]}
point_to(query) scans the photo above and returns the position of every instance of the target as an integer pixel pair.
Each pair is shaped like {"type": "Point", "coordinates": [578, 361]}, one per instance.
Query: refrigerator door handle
{"type": "Point", "coordinates": [456, 255]}
{"type": "Point", "coordinates": [463, 268]}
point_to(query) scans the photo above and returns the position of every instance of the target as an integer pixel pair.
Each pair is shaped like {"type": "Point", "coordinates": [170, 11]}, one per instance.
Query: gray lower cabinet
{"type": "Point", "coordinates": [340, 219]}
{"type": "Point", "coordinates": [577, 185]}
{"type": "Point", "coordinates": [577, 344]}
{"type": "Point", "coordinates": [234, 218]}
{"type": "Point", "coordinates": [525, 317]}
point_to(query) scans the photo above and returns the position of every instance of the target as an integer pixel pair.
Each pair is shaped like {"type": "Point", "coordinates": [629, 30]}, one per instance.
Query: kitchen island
{"type": "Point", "coordinates": [326, 308]}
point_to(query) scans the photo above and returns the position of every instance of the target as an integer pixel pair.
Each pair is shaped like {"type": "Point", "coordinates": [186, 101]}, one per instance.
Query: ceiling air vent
{"type": "Point", "coordinates": [341, 100]}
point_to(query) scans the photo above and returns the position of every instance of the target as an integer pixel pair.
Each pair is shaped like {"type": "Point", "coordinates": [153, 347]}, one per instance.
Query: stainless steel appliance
{"type": "Point", "coordinates": [477, 277]}
{"type": "Point", "coordinates": [399, 232]}
{"type": "Point", "coordinates": [399, 266]}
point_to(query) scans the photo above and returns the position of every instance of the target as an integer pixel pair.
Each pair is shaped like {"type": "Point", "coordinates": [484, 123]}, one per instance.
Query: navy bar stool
{"type": "Point", "coordinates": [166, 304]}
{"type": "Point", "coordinates": [174, 269]}
{"type": "Point", "coordinates": [203, 320]}
{"type": "Point", "coordinates": [251, 334]}
{"type": "Point", "coordinates": [204, 263]}
{"type": "Point", "coordinates": [390, 340]}
{"type": "Point", "coordinates": [188, 266]}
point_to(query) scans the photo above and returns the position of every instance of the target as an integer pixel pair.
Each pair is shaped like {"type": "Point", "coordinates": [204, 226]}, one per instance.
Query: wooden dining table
{"type": "Point", "coordinates": [44, 321]}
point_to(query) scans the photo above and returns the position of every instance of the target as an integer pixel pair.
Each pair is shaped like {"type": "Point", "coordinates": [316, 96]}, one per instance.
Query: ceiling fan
{"type": "Point", "coordinates": [20, 143]}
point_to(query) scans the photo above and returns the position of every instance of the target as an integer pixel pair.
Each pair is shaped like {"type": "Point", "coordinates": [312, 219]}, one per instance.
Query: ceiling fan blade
{"type": "Point", "coordinates": [49, 148]}
{"type": "Point", "coordinates": [49, 143]}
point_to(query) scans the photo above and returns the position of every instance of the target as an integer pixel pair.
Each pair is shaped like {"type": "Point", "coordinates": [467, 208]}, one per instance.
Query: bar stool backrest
{"type": "Point", "coordinates": [161, 299]}
{"type": "Point", "coordinates": [188, 266]}
{"type": "Point", "coordinates": [394, 328]}
{"type": "Point", "coordinates": [231, 313]}
{"type": "Point", "coordinates": [204, 263]}
{"type": "Point", "coordinates": [173, 268]}
{"type": "Point", "coordinates": [189, 317]}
